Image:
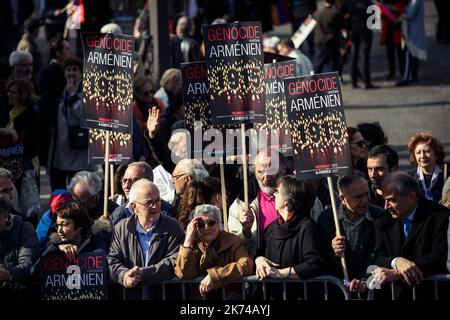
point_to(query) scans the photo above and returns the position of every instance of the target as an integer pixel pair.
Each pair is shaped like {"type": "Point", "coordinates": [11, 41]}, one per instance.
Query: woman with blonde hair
{"type": "Point", "coordinates": [427, 153]}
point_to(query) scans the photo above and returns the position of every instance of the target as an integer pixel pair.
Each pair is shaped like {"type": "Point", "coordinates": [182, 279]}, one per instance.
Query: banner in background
{"type": "Point", "coordinates": [235, 68]}
{"type": "Point", "coordinates": [108, 81]}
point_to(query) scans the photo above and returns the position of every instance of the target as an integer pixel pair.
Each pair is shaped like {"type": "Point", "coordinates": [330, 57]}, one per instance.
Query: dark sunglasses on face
{"type": "Point", "coordinates": [202, 223]}
{"type": "Point", "coordinates": [131, 181]}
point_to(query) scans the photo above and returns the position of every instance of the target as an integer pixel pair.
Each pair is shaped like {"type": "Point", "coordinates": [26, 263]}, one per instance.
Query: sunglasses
{"type": "Point", "coordinates": [131, 181]}
{"type": "Point", "coordinates": [202, 223]}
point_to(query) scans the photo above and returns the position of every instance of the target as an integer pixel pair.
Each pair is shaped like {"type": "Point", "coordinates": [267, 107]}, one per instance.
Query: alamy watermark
{"type": "Point", "coordinates": [374, 21]}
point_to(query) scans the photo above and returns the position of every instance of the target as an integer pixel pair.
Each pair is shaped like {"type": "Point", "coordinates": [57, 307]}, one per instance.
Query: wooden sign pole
{"type": "Point", "coordinates": [111, 171]}
{"type": "Point", "coordinates": [105, 200]}
{"type": "Point", "coordinates": [245, 166]}
{"type": "Point", "coordinates": [336, 223]}
{"type": "Point", "coordinates": [224, 196]}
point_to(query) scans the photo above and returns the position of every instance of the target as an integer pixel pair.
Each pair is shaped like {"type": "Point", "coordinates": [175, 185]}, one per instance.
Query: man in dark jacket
{"type": "Point", "coordinates": [381, 161]}
{"type": "Point", "coordinates": [411, 244]}
{"type": "Point", "coordinates": [86, 188]}
{"type": "Point", "coordinates": [144, 246]}
{"type": "Point", "coordinates": [357, 241]}
{"type": "Point", "coordinates": [18, 251]}
{"type": "Point", "coordinates": [134, 172]}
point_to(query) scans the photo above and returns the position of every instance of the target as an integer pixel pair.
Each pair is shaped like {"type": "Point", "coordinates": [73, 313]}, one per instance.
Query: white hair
{"type": "Point", "coordinates": [16, 56]}
{"type": "Point", "coordinates": [90, 180]}
{"type": "Point", "coordinates": [177, 143]}
{"type": "Point", "coordinates": [193, 168]}
{"type": "Point", "coordinates": [208, 210]}
{"type": "Point", "coordinates": [111, 28]}
{"type": "Point", "coordinates": [138, 187]}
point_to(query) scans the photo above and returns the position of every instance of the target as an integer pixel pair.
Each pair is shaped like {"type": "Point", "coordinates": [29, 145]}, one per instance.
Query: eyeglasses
{"type": "Point", "coordinates": [149, 203]}
{"type": "Point", "coordinates": [360, 144]}
{"type": "Point", "coordinates": [13, 92]}
{"type": "Point", "coordinates": [131, 181]}
{"type": "Point", "coordinates": [202, 223]}
{"type": "Point", "coordinates": [178, 176]}
{"type": "Point", "coordinates": [149, 92]}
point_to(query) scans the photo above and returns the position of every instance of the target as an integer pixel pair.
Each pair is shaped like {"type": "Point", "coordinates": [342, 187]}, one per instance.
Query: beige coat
{"type": "Point", "coordinates": [225, 262]}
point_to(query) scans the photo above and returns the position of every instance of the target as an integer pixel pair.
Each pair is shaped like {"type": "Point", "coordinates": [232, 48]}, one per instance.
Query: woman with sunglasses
{"type": "Point", "coordinates": [144, 101]}
{"type": "Point", "coordinates": [358, 149]}
{"type": "Point", "coordinates": [292, 249]}
{"type": "Point", "coordinates": [208, 251]}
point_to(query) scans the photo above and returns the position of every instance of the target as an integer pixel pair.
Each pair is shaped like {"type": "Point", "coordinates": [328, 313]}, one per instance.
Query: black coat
{"type": "Point", "coordinates": [18, 248]}
{"type": "Point", "coordinates": [436, 190]}
{"type": "Point", "coordinates": [364, 253]}
{"type": "Point", "coordinates": [295, 244]}
{"type": "Point", "coordinates": [426, 246]}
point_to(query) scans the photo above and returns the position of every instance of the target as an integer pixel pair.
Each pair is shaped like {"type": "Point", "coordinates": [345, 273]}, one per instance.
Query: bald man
{"type": "Point", "coordinates": [145, 245]}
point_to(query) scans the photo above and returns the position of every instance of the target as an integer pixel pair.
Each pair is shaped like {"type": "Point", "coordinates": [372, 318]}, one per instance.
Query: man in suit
{"type": "Point", "coordinates": [411, 243]}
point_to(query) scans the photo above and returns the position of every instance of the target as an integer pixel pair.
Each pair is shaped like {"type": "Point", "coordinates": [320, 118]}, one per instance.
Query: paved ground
{"type": "Point", "coordinates": [401, 111]}
{"type": "Point", "coordinates": [404, 111]}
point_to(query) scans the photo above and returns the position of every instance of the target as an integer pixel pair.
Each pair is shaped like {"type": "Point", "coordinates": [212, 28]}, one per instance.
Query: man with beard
{"type": "Point", "coordinates": [381, 161]}
{"type": "Point", "coordinates": [250, 223]}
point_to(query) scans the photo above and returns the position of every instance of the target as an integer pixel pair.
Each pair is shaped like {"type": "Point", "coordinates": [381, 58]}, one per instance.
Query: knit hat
{"type": "Point", "coordinates": [57, 198]}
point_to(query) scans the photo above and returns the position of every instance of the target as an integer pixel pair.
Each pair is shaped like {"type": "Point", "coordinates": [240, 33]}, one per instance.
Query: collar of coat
{"type": "Point", "coordinates": [224, 241]}
{"type": "Point", "coordinates": [99, 225]}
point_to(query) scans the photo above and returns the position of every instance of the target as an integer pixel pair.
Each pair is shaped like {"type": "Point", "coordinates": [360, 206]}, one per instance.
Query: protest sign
{"type": "Point", "coordinates": [277, 123]}
{"type": "Point", "coordinates": [11, 155]}
{"type": "Point", "coordinates": [120, 147]}
{"type": "Point", "coordinates": [235, 68]}
{"type": "Point", "coordinates": [108, 81]}
{"type": "Point", "coordinates": [83, 279]}
{"type": "Point", "coordinates": [318, 128]}
{"type": "Point", "coordinates": [303, 31]}
{"type": "Point", "coordinates": [198, 116]}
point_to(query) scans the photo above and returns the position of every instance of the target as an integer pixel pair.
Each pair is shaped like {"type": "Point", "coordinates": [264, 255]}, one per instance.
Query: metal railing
{"type": "Point", "coordinates": [436, 279]}
{"type": "Point", "coordinates": [324, 280]}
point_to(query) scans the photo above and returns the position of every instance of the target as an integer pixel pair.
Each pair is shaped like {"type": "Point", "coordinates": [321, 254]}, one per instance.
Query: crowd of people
{"type": "Point", "coordinates": [166, 219]}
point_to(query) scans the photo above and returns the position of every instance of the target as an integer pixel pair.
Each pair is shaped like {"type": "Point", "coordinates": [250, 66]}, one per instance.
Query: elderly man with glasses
{"type": "Point", "coordinates": [86, 188]}
{"type": "Point", "coordinates": [144, 246]}
{"type": "Point", "coordinates": [134, 172]}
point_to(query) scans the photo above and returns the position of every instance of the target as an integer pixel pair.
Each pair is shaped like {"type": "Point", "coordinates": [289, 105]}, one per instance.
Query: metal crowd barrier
{"type": "Point", "coordinates": [324, 280]}
{"type": "Point", "coordinates": [434, 278]}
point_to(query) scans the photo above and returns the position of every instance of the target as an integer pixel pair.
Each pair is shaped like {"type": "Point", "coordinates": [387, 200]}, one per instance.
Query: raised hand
{"type": "Point", "coordinates": [153, 122]}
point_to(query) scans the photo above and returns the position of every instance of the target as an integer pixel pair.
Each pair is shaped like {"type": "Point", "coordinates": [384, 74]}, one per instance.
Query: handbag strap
{"type": "Point", "coordinates": [68, 102]}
